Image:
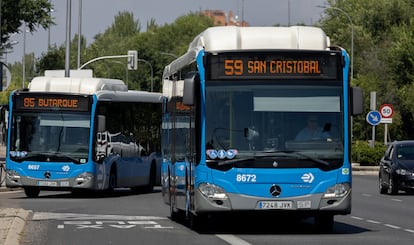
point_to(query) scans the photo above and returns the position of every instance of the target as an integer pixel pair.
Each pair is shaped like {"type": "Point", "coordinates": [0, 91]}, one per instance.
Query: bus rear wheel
{"type": "Point", "coordinates": [324, 222]}
{"type": "Point", "coordinates": [31, 191]}
{"type": "Point", "coordinates": [151, 182]}
{"type": "Point", "coordinates": [112, 180]}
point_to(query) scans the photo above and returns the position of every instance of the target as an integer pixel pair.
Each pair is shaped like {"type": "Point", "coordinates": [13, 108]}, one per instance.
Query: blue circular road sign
{"type": "Point", "coordinates": [373, 118]}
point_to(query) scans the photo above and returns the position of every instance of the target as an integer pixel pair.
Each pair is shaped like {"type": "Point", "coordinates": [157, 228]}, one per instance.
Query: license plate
{"type": "Point", "coordinates": [46, 183]}
{"type": "Point", "coordinates": [275, 205]}
{"type": "Point", "coordinates": [64, 183]}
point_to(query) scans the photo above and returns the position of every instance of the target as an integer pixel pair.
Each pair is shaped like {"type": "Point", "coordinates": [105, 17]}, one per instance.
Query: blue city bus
{"type": "Point", "coordinates": [83, 133]}
{"type": "Point", "coordinates": [230, 128]}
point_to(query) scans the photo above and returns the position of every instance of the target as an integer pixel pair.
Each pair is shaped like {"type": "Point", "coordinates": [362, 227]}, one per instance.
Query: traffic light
{"type": "Point", "coordinates": [132, 60]}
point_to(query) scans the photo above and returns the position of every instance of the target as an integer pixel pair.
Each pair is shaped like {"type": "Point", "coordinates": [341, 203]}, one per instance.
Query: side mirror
{"type": "Point", "coordinates": [189, 88]}
{"type": "Point", "coordinates": [357, 101]}
{"type": "Point", "coordinates": [101, 123]}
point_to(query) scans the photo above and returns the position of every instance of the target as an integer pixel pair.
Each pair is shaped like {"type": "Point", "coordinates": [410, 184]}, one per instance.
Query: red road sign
{"type": "Point", "coordinates": [386, 111]}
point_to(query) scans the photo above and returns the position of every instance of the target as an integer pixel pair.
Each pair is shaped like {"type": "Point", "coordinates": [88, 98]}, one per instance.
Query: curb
{"type": "Point", "coordinates": [17, 220]}
{"type": "Point", "coordinates": [17, 227]}
{"type": "Point", "coordinates": [364, 170]}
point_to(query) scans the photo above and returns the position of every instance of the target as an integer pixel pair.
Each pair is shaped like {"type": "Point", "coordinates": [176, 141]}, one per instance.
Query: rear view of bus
{"type": "Point", "coordinates": [260, 124]}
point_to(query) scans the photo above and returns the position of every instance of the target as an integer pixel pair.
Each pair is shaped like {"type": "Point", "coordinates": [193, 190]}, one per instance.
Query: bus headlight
{"type": "Point", "coordinates": [212, 191]}
{"type": "Point", "coordinates": [12, 174]}
{"type": "Point", "coordinates": [338, 190]}
{"type": "Point", "coordinates": [83, 178]}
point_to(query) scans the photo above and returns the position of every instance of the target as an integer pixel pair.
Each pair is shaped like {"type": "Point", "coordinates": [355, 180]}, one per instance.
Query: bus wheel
{"type": "Point", "coordinates": [31, 191]}
{"type": "Point", "coordinates": [151, 182]}
{"type": "Point", "coordinates": [112, 180]}
{"type": "Point", "coordinates": [198, 222]}
{"type": "Point", "coordinates": [324, 222]}
{"type": "Point", "coordinates": [174, 215]}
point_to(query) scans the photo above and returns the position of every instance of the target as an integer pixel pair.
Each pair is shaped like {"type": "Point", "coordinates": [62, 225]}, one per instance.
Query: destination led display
{"type": "Point", "coordinates": [274, 65]}
{"type": "Point", "coordinates": [46, 102]}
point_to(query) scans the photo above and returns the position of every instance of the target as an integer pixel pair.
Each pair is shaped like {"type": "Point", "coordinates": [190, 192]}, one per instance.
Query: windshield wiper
{"type": "Point", "coordinates": [62, 155]}
{"type": "Point", "coordinates": [316, 160]}
{"type": "Point", "coordinates": [255, 156]}
{"type": "Point", "coordinates": [41, 156]}
{"type": "Point", "coordinates": [232, 161]}
{"type": "Point", "coordinates": [275, 153]}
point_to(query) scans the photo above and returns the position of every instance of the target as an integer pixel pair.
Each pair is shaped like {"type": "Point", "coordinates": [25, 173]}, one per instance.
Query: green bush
{"type": "Point", "coordinates": [365, 155]}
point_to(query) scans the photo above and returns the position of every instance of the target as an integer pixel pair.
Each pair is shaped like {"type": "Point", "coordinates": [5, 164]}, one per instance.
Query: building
{"type": "Point", "coordinates": [221, 18]}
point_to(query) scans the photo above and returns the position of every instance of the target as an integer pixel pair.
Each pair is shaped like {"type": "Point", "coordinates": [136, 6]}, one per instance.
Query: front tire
{"type": "Point", "coordinates": [31, 192]}
{"type": "Point", "coordinates": [382, 187]}
{"type": "Point", "coordinates": [392, 187]}
{"type": "Point", "coordinates": [324, 222]}
{"type": "Point", "coordinates": [198, 222]}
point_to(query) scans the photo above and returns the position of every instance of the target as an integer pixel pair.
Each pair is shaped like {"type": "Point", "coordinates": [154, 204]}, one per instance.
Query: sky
{"type": "Point", "coordinates": [97, 15]}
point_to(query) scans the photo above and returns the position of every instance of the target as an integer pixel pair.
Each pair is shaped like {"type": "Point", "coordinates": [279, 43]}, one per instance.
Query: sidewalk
{"type": "Point", "coordinates": [364, 170]}
{"type": "Point", "coordinates": [12, 222]}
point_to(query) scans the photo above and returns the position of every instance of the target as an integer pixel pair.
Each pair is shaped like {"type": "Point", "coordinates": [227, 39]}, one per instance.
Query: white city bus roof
{"type": "Point", "coordinates": [76, 85]}
{"type": "Point", "coordinates": [224, 38]}
{"type": "Point", "coordinates": [233, 38]}
{"type": "Point", "coordinates": [105, 89]}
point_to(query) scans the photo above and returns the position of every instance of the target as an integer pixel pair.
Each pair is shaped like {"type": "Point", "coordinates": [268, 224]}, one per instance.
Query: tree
{"type": "Point", "coordinates": [34, 13]}
{"type": "Point", "coordinates": [384, 32]}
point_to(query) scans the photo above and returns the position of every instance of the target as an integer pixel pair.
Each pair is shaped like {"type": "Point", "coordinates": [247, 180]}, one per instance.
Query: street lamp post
{"type": "Point", "coordinates": [79, 30]}
{"type": "Point", "coordinates": [352, 36]}
{"type": "Point", "coordinates": [24, 55]}
{"type": "Point", "coordinates": [169, 54]}
{"type": "Point", "coordinates": [152, 73]}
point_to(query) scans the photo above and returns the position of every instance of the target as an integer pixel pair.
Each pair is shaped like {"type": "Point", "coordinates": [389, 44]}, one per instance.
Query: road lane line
{"type": "Point", "coordinates": [373, 221]}
{"type": "Point", "coordinates": [409, 230]}
{"type": "Point", "coordinates": [233, 240]}
{"type": "Point", "coordinates": [392, 226]}
{"type": "Point", "coordinates": [384, 224]}
{"type": "Point", "coordinates": [358, 218]}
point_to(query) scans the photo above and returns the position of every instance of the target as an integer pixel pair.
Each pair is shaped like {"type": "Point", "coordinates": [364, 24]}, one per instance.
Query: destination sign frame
{"type": "Point", "coordinates": [37, 101]}
{"type": "Point", "coordinates": [274, 65]}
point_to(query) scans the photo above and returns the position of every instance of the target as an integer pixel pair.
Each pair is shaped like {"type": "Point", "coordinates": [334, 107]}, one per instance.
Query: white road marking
{"type": "Point", "coordinates": [158, 227]}
{"type": "Point", "coordinates": [392, 226]}
{"type": "Point", "coordinates": [74, 216]}
{"type": "Point", "coordinates": [88, 221]}
{"type": "Point", "coordinates": [233, 240]}
{"type": "Point", "coordinates": [409, 230]}
{"type": "Point", "coordinates": [8, 192]}
{"type": "Point", "coordinates": [358, 218]}
{"type": "Point", "coordinates": [384, 224]}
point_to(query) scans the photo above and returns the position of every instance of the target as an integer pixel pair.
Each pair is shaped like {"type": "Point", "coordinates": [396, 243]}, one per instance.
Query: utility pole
{"type": "Point", "coordinates": [68, 26]}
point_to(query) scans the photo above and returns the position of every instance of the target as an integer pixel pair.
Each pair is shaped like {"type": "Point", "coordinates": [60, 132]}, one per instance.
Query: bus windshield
{"type": "Point", "coordinates": [54, 136]}
{"type": "Point", "coordinates": [262, 118]}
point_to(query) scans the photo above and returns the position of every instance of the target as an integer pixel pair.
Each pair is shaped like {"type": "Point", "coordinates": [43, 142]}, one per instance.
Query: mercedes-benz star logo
{"type": "Point", "coordinates": [47, 175]}
{"type": "Point", "coordinates": [275, 190]}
